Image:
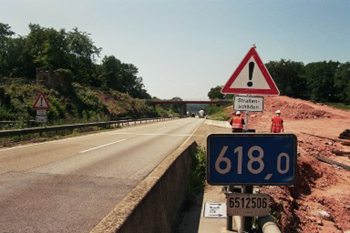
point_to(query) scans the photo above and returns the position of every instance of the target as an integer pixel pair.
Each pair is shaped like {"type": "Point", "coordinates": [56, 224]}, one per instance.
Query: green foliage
{"type": "Point", "coordinates": [71, 53]}
{"type": "Point", "coordinates": [289, 77]}
{"type": "Point", "coordinates": [80, 104]}
{"type": "Point", "coordinates": [342, 82]}
{"type": "Point", "coordinates": [215, 93]}
{"type": "Point", "coordinates": [340, 106]}
{"type": "Point", "coordinates": [198, 174]}
{"type": "Point", "coordinates": [216, 113]}
{"type": "Point", "coordinates": [321, 81]}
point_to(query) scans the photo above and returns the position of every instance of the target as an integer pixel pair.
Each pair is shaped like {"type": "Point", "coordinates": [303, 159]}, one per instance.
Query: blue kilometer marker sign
{"type": "Point", "coordinates": [251, 159]}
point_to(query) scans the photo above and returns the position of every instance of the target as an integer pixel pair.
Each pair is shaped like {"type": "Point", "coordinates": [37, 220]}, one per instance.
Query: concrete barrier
{"type": "Point", "coordinates": [154, 204]}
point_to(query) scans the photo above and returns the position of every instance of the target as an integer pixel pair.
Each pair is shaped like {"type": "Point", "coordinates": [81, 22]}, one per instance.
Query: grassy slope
{"type": "Point", "coordinates": [75, 105]}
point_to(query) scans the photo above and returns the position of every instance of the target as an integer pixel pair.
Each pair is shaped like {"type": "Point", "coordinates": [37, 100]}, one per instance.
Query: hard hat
{"type": "Point", "coordinates": [278, 112]}
{"type": "Point", "coordinates": [238, 113]}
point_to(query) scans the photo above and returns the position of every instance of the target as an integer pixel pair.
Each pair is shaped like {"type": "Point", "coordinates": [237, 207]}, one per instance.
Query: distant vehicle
{"type": "Point", "coordinates": [201, 113]}
{"type": "Point", "coordinates": [193, 115]}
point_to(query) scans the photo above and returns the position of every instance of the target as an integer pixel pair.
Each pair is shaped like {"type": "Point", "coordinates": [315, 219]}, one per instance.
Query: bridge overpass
{"type": "Point", "coordinates": [185, 102]}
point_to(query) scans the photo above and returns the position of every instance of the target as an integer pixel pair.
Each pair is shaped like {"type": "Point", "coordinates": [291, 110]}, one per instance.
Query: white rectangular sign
{"type": "Point", "coordinates": [214, 210]}
{"type": "Point", "coordinates": [41, 119]}
{"type": "Point", "coordinates": [248, 103]}
{"type": "Point", "coordinates": [243, 204]}
{"type": "Point", "coordinates": [41, 112]}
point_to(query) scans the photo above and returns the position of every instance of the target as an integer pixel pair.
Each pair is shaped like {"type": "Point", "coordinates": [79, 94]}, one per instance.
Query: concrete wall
{"type": "Point", "coordinates": [154, 204]}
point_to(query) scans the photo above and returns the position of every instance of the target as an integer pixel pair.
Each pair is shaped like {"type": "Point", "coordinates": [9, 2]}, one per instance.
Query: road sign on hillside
{"type": "Point", "coordinates": [41, 103]}
{"type": "Point", "coordinates": [251, 77]}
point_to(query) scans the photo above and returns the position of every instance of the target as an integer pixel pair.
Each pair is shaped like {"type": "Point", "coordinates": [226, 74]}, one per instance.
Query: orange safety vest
{"type": "Point", "coordinates": [237, 122]}
{"type": "Point", "coordinates": [277, 123]}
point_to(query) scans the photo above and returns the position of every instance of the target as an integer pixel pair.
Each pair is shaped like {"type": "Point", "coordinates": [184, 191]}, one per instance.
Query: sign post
{"type": "Point", "coordinates": [251, 159]}
{"type": "Point", "coordinates": [251, 78]}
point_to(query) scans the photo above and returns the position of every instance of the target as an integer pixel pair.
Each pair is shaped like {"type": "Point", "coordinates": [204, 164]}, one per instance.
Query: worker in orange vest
{"type": "Point", "coordinates": [237, 123]}
{"type": "Point", "coordinates": [277, 123]}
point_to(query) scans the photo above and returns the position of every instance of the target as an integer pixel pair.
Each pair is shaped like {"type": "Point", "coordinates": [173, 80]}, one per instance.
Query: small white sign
{"type": "Point", "coordinates": [41, 112]}
{"type": "Point", "coordinates": [41, 119]}
{"type": "Point", "coordinates": [243, 204]}
{"type": "Point", "coordinates": [248, 103]}
{"type": "Point", "coordinates": [214, 210]}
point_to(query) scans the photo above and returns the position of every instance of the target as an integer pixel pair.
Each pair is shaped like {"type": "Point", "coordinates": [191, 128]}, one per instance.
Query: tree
{"type": "Point", "coordinates": [5, 39]}
{"type": "Point", "coordinates": [215, 93]}
{"type": "Point", "coordinates": [342, 82]}
{"type": "Point", "coordinates": [82, 53]}
{"type": "Point", "coordinates": [289, 77]}
{"type": "Point", "coordinates": [111, 73]}
{"type": "Point", "coordinates": [72, 52]}
{"type": "Point", "coordinates": [321, 81]}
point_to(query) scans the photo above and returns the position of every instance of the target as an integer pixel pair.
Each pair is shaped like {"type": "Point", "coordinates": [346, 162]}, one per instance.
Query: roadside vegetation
{"type": "Point", "coordinates": [83, 87]}
{"type": "Point", "coordinates": [197, 178]}
{"type": "Point", "coordinates": [81, 105]}
{"type": "Point", "coordinates": [217, 113]}
{"type": "Point", "coordinates": [340, 106]}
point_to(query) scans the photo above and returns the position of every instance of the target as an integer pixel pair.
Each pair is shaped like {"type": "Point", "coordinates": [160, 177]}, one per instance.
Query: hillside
{"type": "Point", "coordinates": [79, 103]}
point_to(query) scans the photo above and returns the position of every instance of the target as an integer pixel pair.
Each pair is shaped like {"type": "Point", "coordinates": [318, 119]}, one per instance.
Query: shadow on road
{"type": "Point", "coordinates": [188, 219]}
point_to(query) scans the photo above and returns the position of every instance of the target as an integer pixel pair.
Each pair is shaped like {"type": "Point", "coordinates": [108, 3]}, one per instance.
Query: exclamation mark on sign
{"type": "Point", "coordinates": [251, 69]}
{"type": "Point", "coordinates": [41, 99]}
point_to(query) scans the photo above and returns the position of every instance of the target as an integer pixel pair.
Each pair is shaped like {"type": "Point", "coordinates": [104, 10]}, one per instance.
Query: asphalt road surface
{"type": "Point", "coordinates": [69, 185]}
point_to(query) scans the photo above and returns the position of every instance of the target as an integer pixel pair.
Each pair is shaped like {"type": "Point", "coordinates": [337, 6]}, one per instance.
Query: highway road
{"type": "Point", "coordinates": [69, 185]}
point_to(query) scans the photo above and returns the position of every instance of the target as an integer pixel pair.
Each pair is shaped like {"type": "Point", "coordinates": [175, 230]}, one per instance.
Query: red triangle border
{"type": "Point", "coordinates": [273, 88]}
{"type": "Point", "coordinates": [41, 108]}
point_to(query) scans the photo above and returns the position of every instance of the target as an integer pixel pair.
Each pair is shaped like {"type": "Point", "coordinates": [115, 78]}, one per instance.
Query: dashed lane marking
{"type": "Point", "coordinates": [98, 147]}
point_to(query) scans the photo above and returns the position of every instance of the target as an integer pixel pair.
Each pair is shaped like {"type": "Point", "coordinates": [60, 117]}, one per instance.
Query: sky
{"type": "Point", "coordinates": [182, 48]}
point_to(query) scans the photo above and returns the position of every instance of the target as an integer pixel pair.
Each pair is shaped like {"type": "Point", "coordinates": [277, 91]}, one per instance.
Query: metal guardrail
{"type": "Point", "coordinates": [18, 132]}
{"type": "Point", "coordinates": [8, 122]}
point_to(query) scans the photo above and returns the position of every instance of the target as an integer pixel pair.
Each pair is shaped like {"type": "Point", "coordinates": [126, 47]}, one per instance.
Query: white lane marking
{"type": "Point", "coordinates": [193, 134]}
{"type": "Point", "coordinates": [98, 147]}
{"type": "Point", "coordinates": [162, 128]}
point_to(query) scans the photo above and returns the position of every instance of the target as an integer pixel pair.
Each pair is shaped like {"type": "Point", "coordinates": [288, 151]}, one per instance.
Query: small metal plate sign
{"type": "Point", "coordinates": [248, 103]}
{"type": "Point", "coordinates": [41, 112]}
{"type": "Point", "coordinates": [41, 119]}
{"type": "Point", "coordinates": [214, 210]}
{"type": "Point", "coordinates": [242, 204]}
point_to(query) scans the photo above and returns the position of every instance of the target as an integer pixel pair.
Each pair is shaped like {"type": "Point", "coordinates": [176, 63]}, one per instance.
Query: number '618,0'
{"type": "Point", "coordinates": [252, 159]}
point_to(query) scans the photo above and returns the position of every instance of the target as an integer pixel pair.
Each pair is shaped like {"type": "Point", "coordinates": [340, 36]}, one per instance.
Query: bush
{"type": "Point", "coordinates": [197, 177]}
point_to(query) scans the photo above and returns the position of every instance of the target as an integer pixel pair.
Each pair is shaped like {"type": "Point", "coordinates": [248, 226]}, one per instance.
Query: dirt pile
{"type": "Point", "coordinates": [320, 199]}
{"type": "Point", "coordinates": [295, 110]}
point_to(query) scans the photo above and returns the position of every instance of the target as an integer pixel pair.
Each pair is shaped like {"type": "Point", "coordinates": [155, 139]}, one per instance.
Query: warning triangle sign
{"type": "Point", "coordinates": [251, 77]}
{"type": "Point", "coordinates": [41, 103]}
